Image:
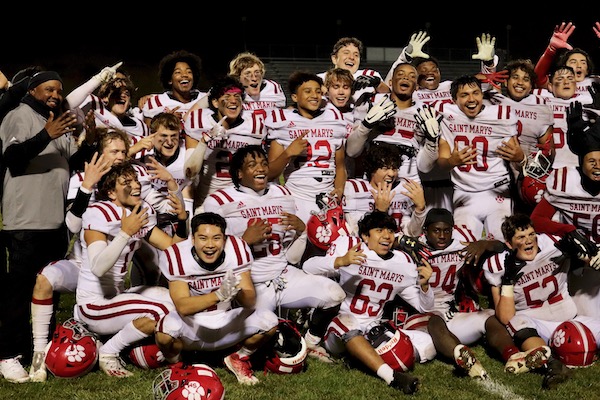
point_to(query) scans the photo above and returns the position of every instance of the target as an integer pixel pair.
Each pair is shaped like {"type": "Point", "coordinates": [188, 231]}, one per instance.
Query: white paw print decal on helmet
{"type": "Point", "coordinates": [559, 338]}
{"type": "Point", "coordinates": [538, 196]}
{"type": "Point", "coordinates": [193, 391]}
{"type": "Point", "coordinates": [323, 234]}
{"type": "Point", "coordinates": [75, 353]}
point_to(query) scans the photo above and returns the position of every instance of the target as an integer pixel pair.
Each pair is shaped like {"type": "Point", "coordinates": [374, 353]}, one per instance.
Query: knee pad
{"type": "Point", "coordinates": [522, 335]}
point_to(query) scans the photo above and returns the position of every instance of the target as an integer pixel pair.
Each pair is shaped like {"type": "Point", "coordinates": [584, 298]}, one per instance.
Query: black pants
{"type": "Point", "coordinates": [28, 252]}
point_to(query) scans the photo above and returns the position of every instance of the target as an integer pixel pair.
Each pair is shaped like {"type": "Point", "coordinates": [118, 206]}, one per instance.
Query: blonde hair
{"type": "Point", "coordinates": [243, 61]}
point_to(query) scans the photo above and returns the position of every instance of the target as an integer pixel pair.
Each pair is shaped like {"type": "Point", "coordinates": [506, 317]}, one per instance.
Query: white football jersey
{"type": "Point", "coordinates": [159, 102]}
{"type": "Point", "coordinates": [441, 94]}
{"type": "Point", "coordinates": [494, 125]}
{"type": "Point", "coordinates": [326, 134]}
{"type": "Point", "coordinates": [105, 217]}
{"type": "Point", "coordinates": [376, 281]}
{"type": "Point", "coordinates": [575, 206]}
{"type": "Point", "coordinates": [271, 96]}
{"type": "Point", "coordinates": [215, 170]}
{"type": "Point", "coordinates": [177, 263]}
{"type": "Point", "coordinates": [542, 291]}
{"type": "Point", "coordinates": [242, 207]}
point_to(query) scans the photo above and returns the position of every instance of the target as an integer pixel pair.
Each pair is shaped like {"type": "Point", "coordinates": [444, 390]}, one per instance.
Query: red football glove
{"type": "Point", "coordinates": [561, 35]}
{"type": "Point", "coordinates": [495, 78]}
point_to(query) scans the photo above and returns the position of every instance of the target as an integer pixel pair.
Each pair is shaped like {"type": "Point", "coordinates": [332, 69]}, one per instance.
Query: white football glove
{"type": "Point", "coordinates": [485, 48]}
{"type": "Point", "coordinates": [107, 73]}
{"type": "Point", "coordinates": [416, 43]}
{"type": "Point", "coordinates": [217, 132]}
{"type": "Point", "coordinates": [229, 286]}
{"type": "Point", "coordinates": [595, 262]}
{"type": "Point", "coordinates": [379, 111]}
{"type": "Point", "coordinates": [429, 122]}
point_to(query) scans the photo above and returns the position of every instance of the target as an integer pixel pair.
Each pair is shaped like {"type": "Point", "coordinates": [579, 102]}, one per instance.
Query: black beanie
{"type": "Point", "coordinates": [438, 215]}
{"type": "Point", "coordinates": [42, 77]}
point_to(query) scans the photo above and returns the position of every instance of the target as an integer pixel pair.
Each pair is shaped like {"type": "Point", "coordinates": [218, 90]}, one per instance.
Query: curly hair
{"type": "Point", "coordinates": [167, 66]}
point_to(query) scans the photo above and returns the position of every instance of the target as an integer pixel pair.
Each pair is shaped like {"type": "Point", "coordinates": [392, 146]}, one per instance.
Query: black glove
{"type": "Point", "coordinates": [575, 120]}
{"type": "Point", "coordinates": [576, 244]}
{"type": "Point", "coordinates": [413, 247]}
{"type": "Point", "coordinates": [595, 93]}
{"type": "Point", "coordinates": [512, 269]}
{"type": "Point", "coordinates": [364, 81]}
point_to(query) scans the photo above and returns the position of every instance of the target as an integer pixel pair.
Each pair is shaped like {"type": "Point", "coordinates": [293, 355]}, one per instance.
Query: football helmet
{"type": "Point", "coordinates": [538, 165]}
{"type": "Point", "coordinates": [73, 351]}
{"type": "Point", "coordinates": [183, 382]}
{"type": "Point", "coordinates": [327, 224]}
{"type": "Point", "coordinates": [532, 190]}
{"type": "Point", "coordinates": [289, 350]}
{"type": "Point", "coordinates": [146, 355]}
{"type": "Point", "coordinates": [574, 344]}
{"type": "Point", "coordinates": [394, 346]}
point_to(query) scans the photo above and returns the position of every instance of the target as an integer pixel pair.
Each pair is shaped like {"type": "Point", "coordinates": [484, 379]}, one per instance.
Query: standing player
{"type": "Point", "coordinates": [372, 273]}
{"type": "Point", "coordinates": [207, 273]}
{"type": "Point", "coordinates": [307, 145]}
{"type": "Point", "coordinates": [263, 214]}
{"type": "Point", "coordinates": [221, 130]}
{"type": "Point", "coordinates": [112, 230]}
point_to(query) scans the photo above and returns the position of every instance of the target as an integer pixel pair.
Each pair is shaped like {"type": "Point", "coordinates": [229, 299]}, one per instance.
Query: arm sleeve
{"type": "Point", "coordinates": [402, 58]}
{"type": "Point", "coordinates": [415, 224]}
{"type": "Point", "coordinates": [18, 155]}
{"type": "Point", "coordinates": [76, 209]}
{"type": "Point", "coordinates": [356, 141]}
{"type": "Point", "coordinates": [543, 66]}
{"type": "Point", "coordinates": [296, 250]}
{"type": "Point", "coordinates": [194, 158]}
{"type": "Point", "coordinates": [321, 265]}
{"type": "Point", "coordinates": [542, 220]}
{"type": "Point", "coordinates": [427, 156]}
{"type": "Point", "coordinates": [79, 94]}
{"type": "Point", "coordinates": [103, 257]}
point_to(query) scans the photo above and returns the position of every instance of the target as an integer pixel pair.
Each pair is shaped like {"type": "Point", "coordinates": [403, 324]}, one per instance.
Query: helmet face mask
{"type": "Point", "coordinates": [574, 344]}
{"type": "Point", "coordinates": [538, 166]}
{"type": "Point", "coordinates": [327, 224]}
{"type": "Point", "coordinates": [73, 351]}
{"type": "Point", "coordinates": [393, 345]}
{"type": "Point", "coordinates": [180, 381]}
{"type": "Point", "coordinates": [289, 350]}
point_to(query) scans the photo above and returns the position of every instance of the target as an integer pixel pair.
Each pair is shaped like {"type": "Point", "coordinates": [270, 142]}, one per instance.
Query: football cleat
{"type": "Point", "coordinates": [466, 360]}
{"type": "Point", "coordinates": [113, 365]}
{"type": "Point", "coordinates": [525, 361]}
{"type": "Point", "coordinates": [12, 370]}
{"type": "Point", "coordinates": [556, 374]}
{"type": "Point", "coordinates": [319, 353]}
{"type": "Point", "coordinates": [37, 372]}
{"type": "Point", "coordinates": [241, 368]}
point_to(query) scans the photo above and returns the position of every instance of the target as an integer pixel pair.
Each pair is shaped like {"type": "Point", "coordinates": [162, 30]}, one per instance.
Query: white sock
{"type": "Point", "coordinates": [41, 316]}
{"type": "Point", "coordinates": [386, 373]}
{"type": "Point", "coordinates": [311, 339]}
{"type": "Point", "coordinates": [125, 337]}
{"type": "Point", "coordinates": [245, 352]}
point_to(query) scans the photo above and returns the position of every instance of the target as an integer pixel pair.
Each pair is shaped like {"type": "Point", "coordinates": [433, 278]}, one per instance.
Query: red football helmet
{"type": "Point", "coordinates": [183, 382]}
{"type": "Point", "coordinates": [327, 224]}
{"type": "Point", "coordinates": [574, 344]}
{"type": "Point", "coordinates": [532, 190]}
{"type": "Point", "coordinates": [146, 355]}
{"type": "Point", "coordinates": [289, 351]}
{"type": "Point", "coordinates": [73, 351]}
{"type": "Point", "coordinates": [394, 346]}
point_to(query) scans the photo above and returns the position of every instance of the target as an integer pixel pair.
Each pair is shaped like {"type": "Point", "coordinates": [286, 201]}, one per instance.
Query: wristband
{"type": "Point", "coordinates": [507, 291]}
{"type": "Point", "coordinates": [182, 225]}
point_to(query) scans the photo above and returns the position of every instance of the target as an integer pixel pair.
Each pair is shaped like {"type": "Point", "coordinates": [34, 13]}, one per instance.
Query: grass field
{"type": "Point", "coordinates": [321, 382]}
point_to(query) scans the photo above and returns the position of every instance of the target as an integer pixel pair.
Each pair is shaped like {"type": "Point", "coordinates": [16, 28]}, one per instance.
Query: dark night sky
{"type": "Point", "coordinates": [81, 46]}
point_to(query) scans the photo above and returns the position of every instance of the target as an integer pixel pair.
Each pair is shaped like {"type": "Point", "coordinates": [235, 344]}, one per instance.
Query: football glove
{"type": "Point", "coordinates": [512, 269]}
{"type": "Point", "coordinates": [379, 111]}
{"type": "Point", "coordinates": [485, 48]}
{"type": "Point", "coordinates": [413, 247]}
{"type": "Point", "coordinates": [496, 78]}
{"type": "Point", "coordinates": [429, 122]}
{"type": "Point", "coordinates": [560, 36]}
{"type": "Point", "coordinates": [229, 286]}
{"type": "Point", "coordinates": [595, 93]}
{"type": "Point", "coordinates": [576, 244]}
{"type": "Point", "coordinates": [365, 81]}
{"type": "Point", "coordinates": [416, 43]}
{"type": "Point", "coordinates": [217, 132]}
{"type": "Point", "coordinates": [107, 73]}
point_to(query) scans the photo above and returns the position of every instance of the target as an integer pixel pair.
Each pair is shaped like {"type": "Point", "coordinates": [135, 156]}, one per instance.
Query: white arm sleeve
{"type": "Point", "coordinates": [402, 58]}
{"type": "Point", "coordinates": [296, 250]}
{"type": "Point", "coordinates": [194, 158]}
{"type": "Point", "coordinates": [102, 257]}
{"type": "Point", "coordinates": [415, 224]}
{"type": "Point", "coordinates": [78, 95]}
{"type": "Point", "coordinates": [321, 265]}
{"type": "Point", "coordinates": [73, 222]}
{"type": "Point", "coordinates": [427, 156]}
{"type": "Point", "coordinates": [356, 141]}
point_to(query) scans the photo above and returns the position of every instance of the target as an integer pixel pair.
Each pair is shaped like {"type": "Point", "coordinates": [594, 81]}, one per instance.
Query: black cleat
{"type": "Point", "coordinates": [556, 374]}
{"type": "Point", "coordinates": [405, 382]}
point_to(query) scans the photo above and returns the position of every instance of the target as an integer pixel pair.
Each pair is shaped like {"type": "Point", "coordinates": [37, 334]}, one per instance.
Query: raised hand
{"type": "Point", "coordinates": [383, 196]}
{"type": "Point", "coordinates": [217, 132]}
{"type": "Point", "coordinates": [56, 127]}
{"type": "Point", "coordinates": [485, 47]}
{"type": "Point", "coordinates": [512, 269]}
{"type": "Point", "coordinates": [416, 43]}
{"type": "Point", "coordinates": [596, 29]}
{"type": "Point", "coordinates": [575, 243]}
{"type": "Point", "coordinates": [380, 111]}
{"type": "Point", "coordinates": [364, 81]}
{"type": "Point", "coordinates": [429, 122]}
{"type": "Point", "coordinates": [595, 93]}
{"type": "Point", "coordinates": [95, 170]}
{"type": "Point", "coordinates": [561, 35]}
{"type": "Point", "coordinates": [353, 256]}
{"type": "Point", "coordinates": [494, 78]}
{"type": "Point", "coordinates": [575, 122]}
{"type": "Point", "coordinates": [107, 73]}
{"type": "Point", "coordinates": [132, 223]}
